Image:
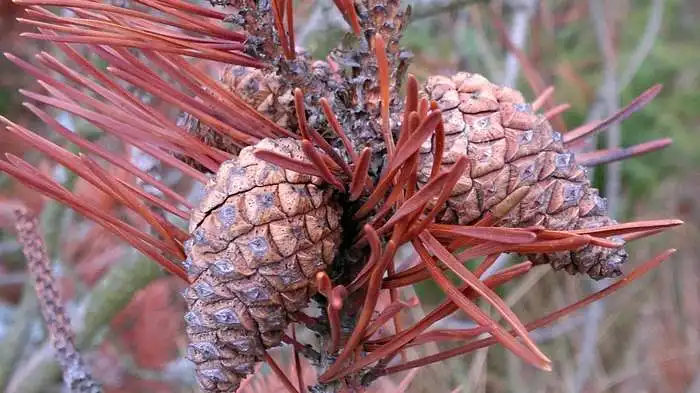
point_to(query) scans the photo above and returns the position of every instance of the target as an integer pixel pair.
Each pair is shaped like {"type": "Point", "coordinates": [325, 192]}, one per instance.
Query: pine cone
{"type": "Point", "coordinates": [267, 92]}
{"type": "Point", "coordinates": [261, 89]}
{"type": "Point", "coordinates": [270, 94]}
{"type": "Point", "coordinates": [510, 146]}
{"type": "Point", "coordinates": [264, 91]}
{"type": "Point", "coordinates": [259, 236]}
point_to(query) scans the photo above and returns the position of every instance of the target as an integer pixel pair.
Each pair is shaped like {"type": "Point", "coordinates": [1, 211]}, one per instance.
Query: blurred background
{"type": "Point", "coordinates": [598, 54]}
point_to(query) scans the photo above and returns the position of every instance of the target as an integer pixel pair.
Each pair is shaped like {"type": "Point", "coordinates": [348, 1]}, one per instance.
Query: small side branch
{"type": "Point", "coordinates": [75, 373]}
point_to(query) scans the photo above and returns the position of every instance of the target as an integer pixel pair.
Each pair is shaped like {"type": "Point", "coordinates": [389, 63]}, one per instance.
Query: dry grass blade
{"type": "Point", "coordinates": [364, 319]}
{"type": "Point", "coordinates": [392, 344]}
{"type": "Point", "coordinates": [320, 164]}
{"type": "Point", "coordinates": [601, 157]}
{"type": "Point", "coordinates": [490, 296]}
{"type": "Point", "coordinates": [292, 164]}
{"type": "Point", "coordinates": [495, 234]}
{"type": "Point", "coordinates": [359, 175]}
{"type": "Point", "coordinates": [425, 129]}
{"type": "Point", "coordinates": [472, 310]}
{"type": "Point", "coordinates": [143, 242]}
{"type": "Point", "coordinates": [544, 96]}
{"type": "Point", "coordinates": [280, 373]}
{"type": "Point", "coordinates": [574, 136]}
{"type": "Point", "coordinates": [388, 313]}
{"type": "Point", "coordinates": [384, 87]}
{"type": "Point", "coordinates": [630, 227]}
{"type": "Point", "coordinates": [335, 125]}
{"type": "Point", "coordinates": [556, 111]}
{"type": "Point", "coordinates": [473, 346]}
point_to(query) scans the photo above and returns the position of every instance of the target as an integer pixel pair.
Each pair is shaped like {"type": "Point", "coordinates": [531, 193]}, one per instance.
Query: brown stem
{"type": "Point", "coordinates": [75, 372]}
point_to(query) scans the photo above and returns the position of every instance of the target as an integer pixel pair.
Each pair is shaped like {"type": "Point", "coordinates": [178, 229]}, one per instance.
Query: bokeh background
{"type": "Point", "coordinates": [598, 54]}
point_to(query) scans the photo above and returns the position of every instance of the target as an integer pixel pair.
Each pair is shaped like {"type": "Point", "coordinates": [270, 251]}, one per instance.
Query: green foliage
{"type": "Point", "coordinates": [672, 62]}
{"type": "Point", "coordinates": [5, 98]}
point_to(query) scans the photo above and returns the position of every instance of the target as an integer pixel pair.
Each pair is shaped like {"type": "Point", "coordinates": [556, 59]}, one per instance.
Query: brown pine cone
{"type": "Point", "coordinates": [259, 236]}
{"type": "Point", "coordinates": [272, 95]}
{"type": "Point", "coordinates": [509, 146]}
{"type": "Point", "coordinates": [261, 89]}
{"type": "Point", "coordinates": [264, 91]}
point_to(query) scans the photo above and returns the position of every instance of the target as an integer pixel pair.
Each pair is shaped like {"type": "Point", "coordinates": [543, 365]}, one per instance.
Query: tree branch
{"type": "Point", "coordinates": [520, 27]}
{"type": "Point", "coordinates": [589, 343]}
{"type": "Point", "coordinates": [110, 296]}
{"type": "Point", "coordinates": [76, 376]}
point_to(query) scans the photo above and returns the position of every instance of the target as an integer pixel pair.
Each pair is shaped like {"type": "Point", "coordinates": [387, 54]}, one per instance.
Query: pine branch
{"type": "Point", "coordinates": [110, 296]}
{"type": "Point", "coordinates": [75, 372]}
